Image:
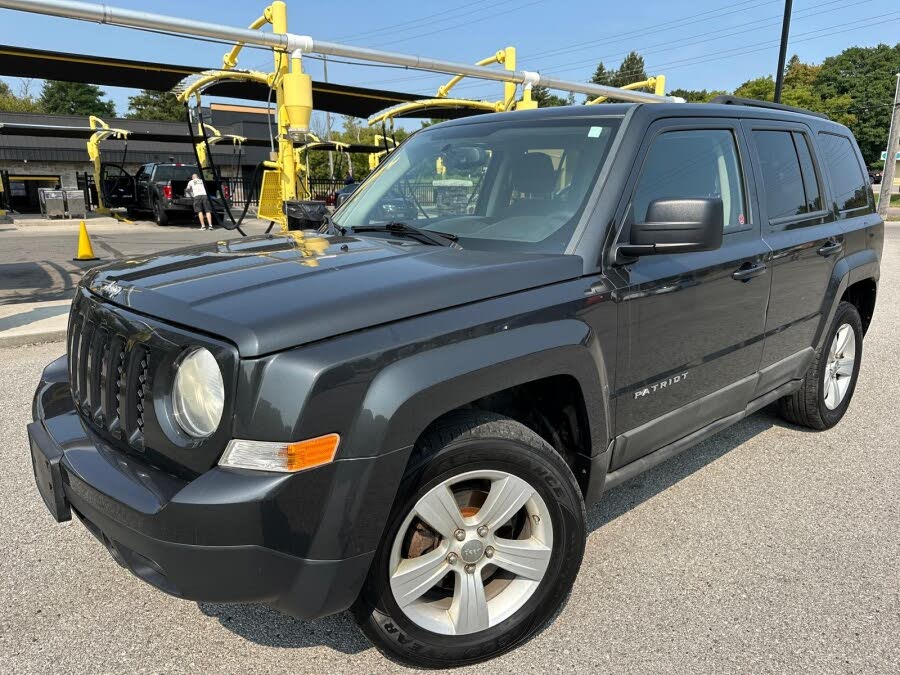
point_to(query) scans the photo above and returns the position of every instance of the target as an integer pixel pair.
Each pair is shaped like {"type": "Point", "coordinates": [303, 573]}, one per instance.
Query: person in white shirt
{"type": "Point", "coordinates": [202, 207]}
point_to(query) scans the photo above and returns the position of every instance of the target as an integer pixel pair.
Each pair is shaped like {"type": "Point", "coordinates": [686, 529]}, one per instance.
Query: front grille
{"type": "Point", "coordinates": [121, 368]}
{"type": "Point", "coordinates": [109, 371]}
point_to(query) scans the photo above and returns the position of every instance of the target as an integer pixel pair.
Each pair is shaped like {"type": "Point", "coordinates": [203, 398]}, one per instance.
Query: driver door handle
{"type": "Point", "coordinates": [749, 270]}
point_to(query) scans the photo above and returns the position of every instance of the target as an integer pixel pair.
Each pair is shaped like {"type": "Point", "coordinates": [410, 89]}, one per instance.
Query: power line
{"type": "Point", "coordinates": [815, 8]}
{"type": "Point", "coordinates": [621, 37]}
{"type": "Point", "coordinates": [760, 46]}
{"type": "Point", "coordinates": [814, 11]}
{"type": "Point", "coordinates": [468, 21]}
{"type": "Point", "coordinates": [422, 20]}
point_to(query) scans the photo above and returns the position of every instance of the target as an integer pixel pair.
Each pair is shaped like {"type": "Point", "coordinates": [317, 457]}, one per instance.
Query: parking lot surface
{"type": "Point", "coordinates": [36, 259]}
{"type": "Point", "coordinates": [767, 548]}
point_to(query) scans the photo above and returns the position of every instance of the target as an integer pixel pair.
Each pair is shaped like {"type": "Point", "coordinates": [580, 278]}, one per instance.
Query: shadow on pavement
{"type": "Point", "coordinates": [270, 628]}
{"type": "Point", "coordinates": [620, 500]}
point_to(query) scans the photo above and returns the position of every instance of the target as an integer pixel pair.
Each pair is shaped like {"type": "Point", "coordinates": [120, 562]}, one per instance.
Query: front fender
{"type": "Point", "coordinates": [405, 397]}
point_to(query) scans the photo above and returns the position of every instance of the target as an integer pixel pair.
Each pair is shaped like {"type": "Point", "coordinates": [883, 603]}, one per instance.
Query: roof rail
{"type": "Point", "coordinates": [727, 99]}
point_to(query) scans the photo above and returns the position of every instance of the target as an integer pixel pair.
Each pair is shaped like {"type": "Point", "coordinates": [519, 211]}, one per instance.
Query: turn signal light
{"type": "Point", "coordinates": [284, 457]}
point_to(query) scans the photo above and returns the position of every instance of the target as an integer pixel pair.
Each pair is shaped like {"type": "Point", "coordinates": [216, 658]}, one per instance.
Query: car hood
{"type": "Point", "coordinates": [269, 293]}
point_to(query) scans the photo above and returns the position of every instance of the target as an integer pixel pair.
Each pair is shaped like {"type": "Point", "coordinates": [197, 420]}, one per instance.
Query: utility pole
{"type": "Point", "coordinates": [890, 158]}
{"type": "Point", "coordinates": [782, 52]}
{"type": "Point", "coordinates": [328, 121]}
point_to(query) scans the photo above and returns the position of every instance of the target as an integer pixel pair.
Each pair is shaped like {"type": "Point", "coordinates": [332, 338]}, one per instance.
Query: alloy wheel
{"type": "Point", "coordinates": [471, 552]}
{"type": "Point", "coordinates": [840, 366]}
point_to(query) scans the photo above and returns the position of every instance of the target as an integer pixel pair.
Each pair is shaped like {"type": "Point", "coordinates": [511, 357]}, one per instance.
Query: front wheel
{"type": "Point", "coordinates": [482, 548]}
{"type": "Point", "coordinates": [828, 386]}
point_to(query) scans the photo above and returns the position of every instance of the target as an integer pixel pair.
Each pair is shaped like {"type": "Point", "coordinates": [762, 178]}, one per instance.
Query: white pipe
{"type": "Point", "coordinates": [103, 13]}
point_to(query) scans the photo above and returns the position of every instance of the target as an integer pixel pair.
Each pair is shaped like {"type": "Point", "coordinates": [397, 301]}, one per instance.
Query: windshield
{"type": "Point", "coordinates": [501, 185]}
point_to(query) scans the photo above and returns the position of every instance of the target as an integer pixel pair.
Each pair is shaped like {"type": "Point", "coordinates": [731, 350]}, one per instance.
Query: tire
{"type": "Point", "coordinates": [160, 215]}
{"type": "Point", "coordinates": [493, 453]}
{"type": "Point", "coordinates": [812, 405]}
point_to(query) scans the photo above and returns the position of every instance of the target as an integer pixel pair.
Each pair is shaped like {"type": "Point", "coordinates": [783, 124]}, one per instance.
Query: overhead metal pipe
{"type": "Point", "coordinates": [115, 16]}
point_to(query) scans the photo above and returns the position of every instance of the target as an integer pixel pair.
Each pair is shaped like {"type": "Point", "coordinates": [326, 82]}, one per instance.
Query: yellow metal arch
{"type": "Point", "coordinates": [657, 84]}
{"type": "Point", "coordinates": [102, 132]}
{"type": "Point", "coordinates": [435, 104]}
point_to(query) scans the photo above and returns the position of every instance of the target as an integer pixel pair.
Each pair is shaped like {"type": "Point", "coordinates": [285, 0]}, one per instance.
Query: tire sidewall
{"type": "Point", "coordinates": [845, 315]}
{"type": "Point", "coordinates": [160, 214]}
{"type": "Point", "coordinates": [560, 494]}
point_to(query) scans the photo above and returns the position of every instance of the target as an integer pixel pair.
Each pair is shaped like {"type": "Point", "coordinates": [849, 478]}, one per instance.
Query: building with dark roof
{"type": "Point", "coordinates": [45, 159]}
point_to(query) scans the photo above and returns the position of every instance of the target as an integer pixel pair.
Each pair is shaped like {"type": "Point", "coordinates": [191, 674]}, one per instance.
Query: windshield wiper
{"type": "Point", "coordinates": [402, 229]}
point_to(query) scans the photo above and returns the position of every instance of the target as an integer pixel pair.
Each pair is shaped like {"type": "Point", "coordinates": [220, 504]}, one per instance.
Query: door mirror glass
{"type": "Point", "coordinates": [678, 226]}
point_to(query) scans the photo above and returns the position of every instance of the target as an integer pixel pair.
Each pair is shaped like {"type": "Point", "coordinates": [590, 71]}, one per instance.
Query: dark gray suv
{"type": "Point", "coordinates": [409, 417]}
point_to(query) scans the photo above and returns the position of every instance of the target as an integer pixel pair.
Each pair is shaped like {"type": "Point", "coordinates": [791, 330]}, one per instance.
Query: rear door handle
{"type": "Point", "coordinates": [830, 248]}
{"type": "Point", "coordinates": [749, 271]}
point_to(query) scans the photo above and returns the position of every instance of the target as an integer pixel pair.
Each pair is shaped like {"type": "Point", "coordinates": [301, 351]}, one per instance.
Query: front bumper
{"type": "Point", "coordinates": [226, 536]}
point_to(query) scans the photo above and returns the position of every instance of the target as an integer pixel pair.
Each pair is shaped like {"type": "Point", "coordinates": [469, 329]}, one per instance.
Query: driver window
{"type": "Point", "coordinates": [693, 164]}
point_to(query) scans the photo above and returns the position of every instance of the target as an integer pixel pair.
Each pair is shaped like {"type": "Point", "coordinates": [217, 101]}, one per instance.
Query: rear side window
{"type": "Point", "coordinates": [848, 183]}
{"type": "Point", "coordinates": [689, 164]}
{"type": "Point", "coordinates": [786, 193]}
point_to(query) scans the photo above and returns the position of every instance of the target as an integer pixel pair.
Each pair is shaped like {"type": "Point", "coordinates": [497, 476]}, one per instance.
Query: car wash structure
{"type": "Point", "coordinates": [295, 93]}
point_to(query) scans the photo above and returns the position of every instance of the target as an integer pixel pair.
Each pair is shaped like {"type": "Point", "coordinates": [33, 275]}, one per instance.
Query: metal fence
{"type": "Point", "coordinates": [239, 190]}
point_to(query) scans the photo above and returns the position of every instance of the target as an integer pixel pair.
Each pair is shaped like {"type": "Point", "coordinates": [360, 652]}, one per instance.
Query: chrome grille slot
{"type": "Point", "coordinates": [133, 369]}
{"type": "Point", "coordinates": [84, 345]}
{"type": "Point", "coordinates": [99, 345]}
{"type": "Point", "coordinates": [109, 394]}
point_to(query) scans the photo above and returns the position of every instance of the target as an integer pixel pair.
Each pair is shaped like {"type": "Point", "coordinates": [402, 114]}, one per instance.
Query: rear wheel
{"type": "Point", "coordinates": [482, 548]}
{"type": "Point", "coordinates": [160, 215]}
{"type": "Point", "coordinates": [828, 386]}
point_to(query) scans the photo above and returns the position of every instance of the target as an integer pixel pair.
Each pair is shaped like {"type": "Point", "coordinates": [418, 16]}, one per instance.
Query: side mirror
{"type": "Point", "coordinates": [677, 226]}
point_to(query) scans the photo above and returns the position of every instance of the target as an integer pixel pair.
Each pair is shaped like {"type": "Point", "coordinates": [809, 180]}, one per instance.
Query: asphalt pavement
{"type": "Point", "coordinates": [36, 255]}
{"type": "Point", "coordinates": [767, 548]}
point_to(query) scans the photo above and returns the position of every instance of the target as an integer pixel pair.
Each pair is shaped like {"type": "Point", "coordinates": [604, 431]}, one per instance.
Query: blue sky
{"type": "Point", "coordinates": [702, 44]}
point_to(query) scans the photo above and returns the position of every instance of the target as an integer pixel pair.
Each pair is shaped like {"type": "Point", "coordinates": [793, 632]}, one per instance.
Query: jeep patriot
{"type": "Point", "coordinates": [408, 418]}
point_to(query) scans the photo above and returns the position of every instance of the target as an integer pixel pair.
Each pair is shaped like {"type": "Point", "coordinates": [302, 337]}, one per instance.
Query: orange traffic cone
{"type": "Point", "coordinates": [85, 250]}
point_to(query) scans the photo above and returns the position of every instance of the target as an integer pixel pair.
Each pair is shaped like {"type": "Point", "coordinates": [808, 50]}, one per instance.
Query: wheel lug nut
{"type": "Point", "coordinates": [470, 569]}
{"type": "Point", "coordinates": [452, 558]}
{"type": "Point", "coordinates": [482, 531]}
{"type": "Point", "coordinates": [460, 535]}
{"type": "Point", "coordinates": [489, 552]}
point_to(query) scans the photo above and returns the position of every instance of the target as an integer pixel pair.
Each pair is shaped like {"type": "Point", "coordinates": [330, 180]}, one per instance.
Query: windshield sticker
{"type": "Point", "coordinates": [595, 132]}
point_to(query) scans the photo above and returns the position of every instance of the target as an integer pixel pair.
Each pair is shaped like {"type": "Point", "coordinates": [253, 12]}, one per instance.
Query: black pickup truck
{"type": "Point", "coordinates": [409, 418]}
{"type": "Point", "coordinates": [158, 189]}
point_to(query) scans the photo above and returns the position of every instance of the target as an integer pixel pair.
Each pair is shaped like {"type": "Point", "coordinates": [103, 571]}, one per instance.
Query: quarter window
{"type": "Point", "coordinates": [849, 184]}
{"type": "Point", "coordinates": [699, 163]}
{"type": "Point", "coordinates": [810, 180]}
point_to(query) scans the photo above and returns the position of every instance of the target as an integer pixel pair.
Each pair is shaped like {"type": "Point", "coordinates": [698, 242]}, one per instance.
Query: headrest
{"type": "Point", "coordinates": [534, 174]}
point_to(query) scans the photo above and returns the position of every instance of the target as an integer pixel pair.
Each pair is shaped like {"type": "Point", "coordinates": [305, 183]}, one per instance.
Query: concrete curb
{"type": "Point", "coordinates": [31, 323]}
{"type": "Point", "coordinates": [37, 338]}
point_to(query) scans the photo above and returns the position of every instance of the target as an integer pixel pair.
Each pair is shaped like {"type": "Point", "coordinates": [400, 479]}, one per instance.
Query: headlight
{"type": "Point", "coordinates": [198, 396]}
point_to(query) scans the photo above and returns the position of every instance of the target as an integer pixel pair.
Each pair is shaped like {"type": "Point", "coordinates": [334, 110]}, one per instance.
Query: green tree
{"type": "Point", "coordinates": [9, 102]}
{"type": "Point", "coordinates": [865, 78]}
{"type": "Point", "coordinates": [156, 105]}
{"type": "Point", "coordinates": [545, 99]}
{"type": "Point", "coordinates": [759, 88]}
{"type": "Point", "coordinates": [697, 95]}
{"type": "Point", "coordinates": [630, 70]}
{"type": "Point", "coordinates": [602, 75]}
{"type": "Point", "coordinates": [74, 98]}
